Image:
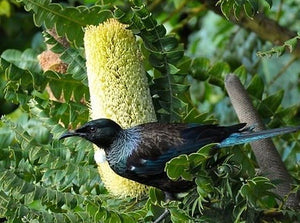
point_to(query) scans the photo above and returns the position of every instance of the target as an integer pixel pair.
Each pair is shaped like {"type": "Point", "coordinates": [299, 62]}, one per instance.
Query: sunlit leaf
{"type": "Point", "coordinates": [69, 21]}
{"type": "Point", "coordinates": [256, 87]}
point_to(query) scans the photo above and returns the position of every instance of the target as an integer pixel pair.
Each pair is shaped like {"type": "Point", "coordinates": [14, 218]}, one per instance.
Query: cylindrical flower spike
{"type": "Point", "coordinates": [118, 89]}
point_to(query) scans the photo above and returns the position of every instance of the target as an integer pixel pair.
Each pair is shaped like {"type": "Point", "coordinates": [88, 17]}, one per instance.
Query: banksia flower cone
{"type": "Point", "coordinates": [118, 90]}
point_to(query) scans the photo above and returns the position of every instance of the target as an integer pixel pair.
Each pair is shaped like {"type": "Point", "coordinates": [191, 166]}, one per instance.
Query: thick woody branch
{"type": "Point", "coordinates": [265, 152]}
{"type": "Point", "coordinates": [264, 27]}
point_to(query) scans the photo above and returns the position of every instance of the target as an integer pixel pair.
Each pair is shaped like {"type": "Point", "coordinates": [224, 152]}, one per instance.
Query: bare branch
{"type": "Point", "coordinates": [265, 152]}
{"type": "Point", "coordinates": [264, 27]}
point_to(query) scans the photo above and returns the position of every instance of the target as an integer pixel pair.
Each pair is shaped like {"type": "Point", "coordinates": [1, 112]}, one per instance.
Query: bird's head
{"type": "Point", "coordinates": [101, 132]}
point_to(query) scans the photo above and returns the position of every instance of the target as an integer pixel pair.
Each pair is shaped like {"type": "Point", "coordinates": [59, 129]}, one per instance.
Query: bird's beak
{"type": "Point", "coordinates": [70, 134]}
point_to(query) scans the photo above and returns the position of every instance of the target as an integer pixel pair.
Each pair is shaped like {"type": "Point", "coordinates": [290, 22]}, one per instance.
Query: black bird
{"type": "Point", "coordinates": [141, 152]}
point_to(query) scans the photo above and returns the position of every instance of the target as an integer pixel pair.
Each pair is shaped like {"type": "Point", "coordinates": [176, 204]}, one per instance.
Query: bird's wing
{"type": "Point", "coordinates": [162, 142]}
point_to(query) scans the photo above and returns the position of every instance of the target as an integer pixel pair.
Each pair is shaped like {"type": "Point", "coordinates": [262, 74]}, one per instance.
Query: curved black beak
{"type": "Point", "coordinates": [70, 134]}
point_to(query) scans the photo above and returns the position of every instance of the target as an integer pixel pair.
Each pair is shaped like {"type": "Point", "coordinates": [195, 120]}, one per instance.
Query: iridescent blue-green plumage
{"type": "Point", "coordinates": [141, 152]}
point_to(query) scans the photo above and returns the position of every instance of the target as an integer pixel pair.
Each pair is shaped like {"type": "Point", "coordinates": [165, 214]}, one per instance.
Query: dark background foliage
{"type": "Point", "coordinates": [189, 47]}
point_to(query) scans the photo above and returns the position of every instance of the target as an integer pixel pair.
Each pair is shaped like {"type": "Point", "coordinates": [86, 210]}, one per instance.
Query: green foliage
{"type": "Point", "coordinates": [46, 180]}
{"type": "Point", "coordinates": [26, 82]}
{"type": "Point", "coordinates": [290, 44]}
{"type": "Point", "coordinates": [225, 192]}
{"type": "Point", "coordinates": [71, 56]}
{"type": "Point", "coordinates": [163, 53]}
{"type": "Point", "coordinates": [68, 21]}
{"type": "Point", "coordinates": [257, 191]}
{"type": "Point", "coordinates": [250, 7]}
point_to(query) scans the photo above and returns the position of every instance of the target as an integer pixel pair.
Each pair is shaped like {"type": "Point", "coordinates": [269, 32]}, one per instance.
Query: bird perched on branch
{"type": "Point", "coordinates": [141, 152]}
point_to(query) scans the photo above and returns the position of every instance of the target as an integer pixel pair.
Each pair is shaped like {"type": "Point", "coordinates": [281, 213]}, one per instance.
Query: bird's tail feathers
{"type": "Point", "coordinates": [250, 136]}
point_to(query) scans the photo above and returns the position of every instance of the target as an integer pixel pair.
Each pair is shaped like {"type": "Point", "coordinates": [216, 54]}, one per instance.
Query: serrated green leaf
{"type": "Point", "coordinates": [270, 2]}
{"type": "Point", "coordinates": [76, 65]}
{"type": "Point", "coordinates": [56, 89]}
{"type": "Point", "coordinates": [256, 190]}
{"type": "Point", "coordinates": [5, 8]}
{"type": "Point", "coordinates": [219, 69]}
{"type": "Point", "coordinates": [269, 105]}
{"type": "Point", "coordinates": [24, 60]}
{"type": "Point", "coordinates": [122, 16]}
{"type": "Point", "coordinates": [217, 73]}
{"type": "Point", "coordinates": [127, 218]}
{"type": "Point", "coordinates": [160, 30]}
{"type": "Point", "coordinates": [156, 62]}
{"type": "Point", "coordinates": [114, 218]}
{"type": "Point", "coordinates": [199, 68]}
{"type": "Point", "coordinates": [226, 8]}
{"type": "Point", "coordinates": [256, 87]}
{"type": "Point", "coordinates": [174, 56]}
{"type": "Point", "coordinates": [204, 185]}
{"type": "Point", "coordinates": [173, 69]}
{"type": "Point", "coordinates": [180, 88]}
{"type": "Point", "coordinates": [169, 43]}
{"type": "Point", "coordinates": [69, 21]}
{"type": "Point", "coordinates": [177, 167]}
{"type": "Point", "coordinates": [249, 8]}
{"type": "Point", "coordinates": [291, 43]}
{"type": "Point", "coordinates": [196, 159]}
{"type": "Point", "coordinates": [241, 156]}
{"type": "Point", "coordinates": [278, 50]}
{"type": "Point", "coordinates": [216, 80]}
{"type": "Point", "coordinates": [285, 115]}
{"type": "Point", "coordinates": [179, 105]}
{"type": "Point", "coordinates": [238, 210]}
{"type": "Point", "coordinates": [156, 196]}
{"type": "Point", "coordinates": [136, 25]}
{"type": "Point", "coordinates": [241, 72]}
{"type": "Point", "coordinates": [178, 215]}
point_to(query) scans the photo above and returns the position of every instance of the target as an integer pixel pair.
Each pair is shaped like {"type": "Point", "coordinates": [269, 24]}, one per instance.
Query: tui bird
{"type": "Point", "coordinates": [141, 152]}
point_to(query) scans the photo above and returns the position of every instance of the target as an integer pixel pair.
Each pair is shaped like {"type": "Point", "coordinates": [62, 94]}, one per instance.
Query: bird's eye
{"type": "Point", "coordinates": [92, 129]}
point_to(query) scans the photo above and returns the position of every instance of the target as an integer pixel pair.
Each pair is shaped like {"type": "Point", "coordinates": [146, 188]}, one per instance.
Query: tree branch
{"type": "Point", "coordinates": [264, 27]}
{"type": "Point", "coordinates": [264, 150]}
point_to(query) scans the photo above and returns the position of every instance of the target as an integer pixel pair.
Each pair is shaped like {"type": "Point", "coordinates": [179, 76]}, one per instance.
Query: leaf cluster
{"type": "Point", "coordinates": [44, 179]}
{"type": "Point", "coordinates": [163, 53]}
{"type": "Point", "coordinates": [226, 191]}
{"type": "Point", "coordinates": [290, 44]}
{"type": "Point", "coordinates": [235, 8]}
{"type": "Point", "coordinates": [69, 21]}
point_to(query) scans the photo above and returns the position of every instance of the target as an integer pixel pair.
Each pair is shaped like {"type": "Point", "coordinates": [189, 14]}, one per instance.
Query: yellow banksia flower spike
{"type": "Point", "coordinates": [118, 90]}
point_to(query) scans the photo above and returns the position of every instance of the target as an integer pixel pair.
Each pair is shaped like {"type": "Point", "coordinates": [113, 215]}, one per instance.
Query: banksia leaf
{"type": "Point", "coordinates": [118, 90]}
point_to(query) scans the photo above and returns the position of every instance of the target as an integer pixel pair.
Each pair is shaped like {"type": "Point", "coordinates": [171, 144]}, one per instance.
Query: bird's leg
{"type": "Point", "coordinates": [162, 216]}
{"type": "Point", "coordinates": [168, 197]}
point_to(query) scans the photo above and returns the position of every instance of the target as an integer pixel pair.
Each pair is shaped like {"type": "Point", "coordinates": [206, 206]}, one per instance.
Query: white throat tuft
{"type": "Point", "coordinates": [99, 156]}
